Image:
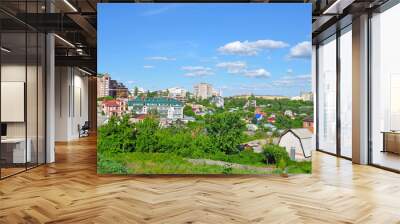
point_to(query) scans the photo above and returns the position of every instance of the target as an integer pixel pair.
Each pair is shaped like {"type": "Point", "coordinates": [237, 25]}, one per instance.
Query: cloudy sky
{"type": "Point", "coordinates": [238, 48]}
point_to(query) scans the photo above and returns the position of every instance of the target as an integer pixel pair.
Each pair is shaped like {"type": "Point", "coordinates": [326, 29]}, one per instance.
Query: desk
{"type": "Point", "coordinates": [391, 141]}
{"type": "Point", "coordinates": [15, 148]}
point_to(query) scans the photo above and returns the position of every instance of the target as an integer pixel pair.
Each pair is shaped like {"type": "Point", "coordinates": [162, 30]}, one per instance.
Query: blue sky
{"type": "Point", "coordinates": [238, 48]}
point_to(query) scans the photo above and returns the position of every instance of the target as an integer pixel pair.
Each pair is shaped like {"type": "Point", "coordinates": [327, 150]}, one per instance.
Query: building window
{"type": "Point", "coordinates": [327, 95]}
{"type": "Point", "coordinates": [346, 92]}
{"type": "Point", "coordinates": [385, 89]}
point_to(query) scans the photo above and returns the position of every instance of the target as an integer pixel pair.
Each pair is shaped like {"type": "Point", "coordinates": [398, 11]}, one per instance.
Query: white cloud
{"type": "Point", "coordinates": [148, 66]}
{"type": "Point", "coordinates": [233, 67]}
{"type": "Point", "coordinates": [289, 71]}
{"type": "Point", "coordinates": [300, 50]}
{"type": "Point", "coordinates": [257, 73]}
{"type": "Point", "coordinates": [240, 68]}
{"type": "Point", "coordinates": [195, 71]}
{"type": "Point", "coordinates": [160, 58]}
{"type": "Point", "coordinates": [250, 47]}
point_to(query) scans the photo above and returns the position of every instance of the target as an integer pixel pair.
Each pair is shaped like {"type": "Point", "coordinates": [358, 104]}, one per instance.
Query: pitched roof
{"type": "Point", "coordinates": [111, 103]}
{"type": "Point", "coordinates": [300, 132]}
{"type": "Point", "coordinates": [140, 116]}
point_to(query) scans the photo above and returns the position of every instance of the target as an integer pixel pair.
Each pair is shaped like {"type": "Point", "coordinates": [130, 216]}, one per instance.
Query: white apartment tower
{"type": "Point", "coordinates": [103, 85]}
{"type": "Point", "coordinates": [203, 90]}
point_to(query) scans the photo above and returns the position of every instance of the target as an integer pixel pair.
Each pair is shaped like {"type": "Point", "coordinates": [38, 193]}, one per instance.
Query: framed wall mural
{"type": "Point", "coordinates": [204, 89]}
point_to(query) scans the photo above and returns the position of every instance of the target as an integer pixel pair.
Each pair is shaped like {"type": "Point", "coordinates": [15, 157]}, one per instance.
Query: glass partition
{"type": "Point", "coordinates": [22, 101]}
{"type": "Point", "coordinates": [385, 89]}
{"type": "Point", "coordinates": [13, 92]}
{"type": "Point", "coordinates": [31, 97]}
{"type": "Point", "coordinates": [346, 92]}
{"type": "Point", "coordinates": [327, 95]}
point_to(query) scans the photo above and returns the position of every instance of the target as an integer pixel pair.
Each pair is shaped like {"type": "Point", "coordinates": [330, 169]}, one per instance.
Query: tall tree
{"type": "Point", "coordinates": [226, 130]}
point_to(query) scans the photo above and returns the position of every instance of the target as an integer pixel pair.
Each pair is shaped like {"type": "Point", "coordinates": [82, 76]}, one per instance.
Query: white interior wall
{"type": "Point", "coordinates": [14, 72]}
{"type": "Point", "coordinates": [71, 102]}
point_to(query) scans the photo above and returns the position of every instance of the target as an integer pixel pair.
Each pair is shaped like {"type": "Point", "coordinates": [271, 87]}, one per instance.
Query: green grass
{"type": "Point", "coordinates": [160, 163]}
{"type": "Point", "coordinates": [299, 167]}
{"type": "Point", "coordinates": [244, 157]}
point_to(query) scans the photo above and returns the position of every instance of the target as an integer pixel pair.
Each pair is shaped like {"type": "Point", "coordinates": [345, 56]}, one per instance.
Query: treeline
{"type": "Point", "coordinates": [218, 137]}
{"type": "Point", "coordinates": [219, 133]}
{"type": "Point", "coordinates": [274, 105]}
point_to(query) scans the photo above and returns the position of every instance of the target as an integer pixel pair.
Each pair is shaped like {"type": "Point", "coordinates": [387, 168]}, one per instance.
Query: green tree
{"type": "Point", "coordinates": [226, 131]}
{"type": "Point", "coordinates": [135, 91]}
{"type": "Point", "coordinates": [146, 140]}
{"type": "Point", "coordinates": [188, 111]}
{"type": "Point", "coordinates": [117, 135]}
{"type": "Point", "coordinates": [105, 98]}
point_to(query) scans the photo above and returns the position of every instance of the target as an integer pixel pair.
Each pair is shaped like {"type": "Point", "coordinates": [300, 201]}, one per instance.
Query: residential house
{"type": "Point", "coordinates": [165, 107]}
{"type": "Point", "coordinates": [298, 142]}
{"type": "Point", "coordinates": [218, 101]}
{"type": "Point", "coordinates": [308, 122]}
{"type": "Point", "coordinates": [113, 107]}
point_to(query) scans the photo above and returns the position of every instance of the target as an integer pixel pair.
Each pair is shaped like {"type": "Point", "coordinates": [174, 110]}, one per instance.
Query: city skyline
{"type": "Point", "coordinates": [175, 45]}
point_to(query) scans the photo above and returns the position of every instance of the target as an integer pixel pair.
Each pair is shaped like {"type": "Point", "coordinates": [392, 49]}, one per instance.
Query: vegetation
{"type": "Point", "coordinates": [105, 98]}
{"type": "Point", "coordinates": [116, 136]}
{"type": "Point", "coordinates": [226, 131]}
{"type": "Point", "coordinates": [161, 163]}
{"type": "Point", "coordinates": [188, 111]}
{"type": "Point", "coordinates": [275, 154]}
{"type": "Point", "coordinates": [146, 147]}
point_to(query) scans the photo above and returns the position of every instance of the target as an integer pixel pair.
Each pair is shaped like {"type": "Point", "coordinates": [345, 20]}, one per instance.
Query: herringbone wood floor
{"type": "Point", "coordinates": [69, 191]}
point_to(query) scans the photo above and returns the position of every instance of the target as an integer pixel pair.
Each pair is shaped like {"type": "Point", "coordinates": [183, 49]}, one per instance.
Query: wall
{"type": "Point", "coordinates": [71, 102]}
{"type": "Point", "coordinates": [15, 72]}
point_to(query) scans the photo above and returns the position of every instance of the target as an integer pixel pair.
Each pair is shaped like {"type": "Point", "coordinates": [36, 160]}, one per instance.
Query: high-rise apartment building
{"type": "Point", "coordinates": [118, 89]}
{"type": "Point", "coordinates": [103, 85]}
{"type": "Point", "coordinates": [203, 90]}
{"type": "Point", "coordinates": [177, 93]}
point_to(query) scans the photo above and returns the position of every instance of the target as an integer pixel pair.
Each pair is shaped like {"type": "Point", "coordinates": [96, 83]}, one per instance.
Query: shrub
{"type": "Point", "coordinates": [146, 140]}
{"type": "Point", "coordinates": [275, 154]}
{"type": "Point", "coordinates": [226, 131]}
{"type": "Point", "coordinates": [116, 136]}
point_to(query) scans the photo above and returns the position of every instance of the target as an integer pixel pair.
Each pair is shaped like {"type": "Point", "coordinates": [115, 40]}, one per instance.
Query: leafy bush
{"type": "Point", "coordinates": [188, 111]}
{"type": "Point", "coordinates": [173, 140]}
{"type": "Point", "coordinates": [276, 155]}
{"type": "Point", "coordinates": [226, 131]}
{"type": "Point", "coordinates": [146, 140]}
{"type": "Point", "coordinates": [117, 135]}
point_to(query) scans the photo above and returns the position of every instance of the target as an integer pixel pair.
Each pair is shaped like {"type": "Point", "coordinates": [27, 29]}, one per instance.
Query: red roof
{"type": "Point", "coordinates": [111, 103]}
{"type": "Point", "coordinates": [140, 116]}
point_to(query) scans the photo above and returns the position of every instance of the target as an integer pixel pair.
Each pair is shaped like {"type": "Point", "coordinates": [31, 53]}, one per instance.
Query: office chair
{"type": "Point", "coordinates": [84, 130]}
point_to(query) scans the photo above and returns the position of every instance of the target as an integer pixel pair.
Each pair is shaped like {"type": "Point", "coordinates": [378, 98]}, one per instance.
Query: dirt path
{"type": "Point", "coordinates": [233, 165]}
